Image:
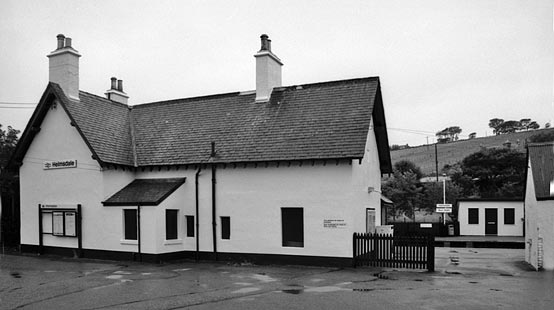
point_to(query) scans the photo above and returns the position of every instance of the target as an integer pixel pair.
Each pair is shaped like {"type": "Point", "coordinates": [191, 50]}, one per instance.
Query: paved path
{"type": "Point", "coordinates": [465, 279]}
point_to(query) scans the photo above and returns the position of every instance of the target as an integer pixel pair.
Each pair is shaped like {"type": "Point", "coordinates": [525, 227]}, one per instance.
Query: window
{"type": "Point", "coordinates": [473, 216]}
{"type": "Point", "coordinates": [130, 224]}
{"type": "Point", "coordinates": [292, 221]}
{"type": "Point", "coordinates": [509, 216]}
{"type": "Point", "coordinates": [225, 227]}
{"type": "Point", "coordinates": [171, 224]}
{"type": "Point", "coordinates": [190, 225]}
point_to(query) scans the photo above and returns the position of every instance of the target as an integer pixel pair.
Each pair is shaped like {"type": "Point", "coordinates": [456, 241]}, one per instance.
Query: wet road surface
{"type": "Point", "coordinates": [465, 278]}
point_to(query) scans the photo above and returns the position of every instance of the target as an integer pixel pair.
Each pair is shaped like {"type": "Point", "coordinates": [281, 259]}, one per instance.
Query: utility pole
{"type": "Point", "coordinates": [436, 163]}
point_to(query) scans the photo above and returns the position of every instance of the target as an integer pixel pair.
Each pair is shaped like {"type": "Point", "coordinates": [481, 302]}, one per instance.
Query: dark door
{"type": "Point", "coordinates": [491, 221]}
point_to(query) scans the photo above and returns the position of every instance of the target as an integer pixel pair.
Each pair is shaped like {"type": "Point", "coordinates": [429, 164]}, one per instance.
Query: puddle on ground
{"type": "Point", "coordinates": [263, 278]}
{"type": "Point", "coordinates": [418, 280]}
{"type": "Point", "coordinates": [506, 274]}
{"type": "Point", "coordinates": [242, 283]}
{"type": "Point", "coordinates": [453, 272]}
{"type": "Point", "coordinates": [473, 282]}
{"type": "Point", "coordinates": [496, 290]}
{"type": "Point", "coordinates": [294, 291]}
{"type": "Point", "coordinates": [50, 271]}
{"type": "Point", "coordinates": [114, 277]}
{"type": "Point", "coordinates": [246, 290]}
{"type": "Point", "coordinates": [182, 269]}
{"type": "Point", "coordinates": [15, 275]}
{"type": "Point", "coordinates": [326, 289]}
{"type": "Point", "coordinates": [122, 272]}
{"type": "Point", "coordinates": [317, 280]}
{"type": "Point", "coordinates": [146, 273]}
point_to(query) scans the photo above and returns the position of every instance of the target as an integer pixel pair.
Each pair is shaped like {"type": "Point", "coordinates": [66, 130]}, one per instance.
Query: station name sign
{"type": "Point", "coordinates": [334, 223]}
{"type": "Point", "coordinates": [60, 164]}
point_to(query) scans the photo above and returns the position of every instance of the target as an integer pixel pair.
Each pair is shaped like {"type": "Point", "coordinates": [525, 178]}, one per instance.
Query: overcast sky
{"type": "Point", "coordinates": [441, 63]}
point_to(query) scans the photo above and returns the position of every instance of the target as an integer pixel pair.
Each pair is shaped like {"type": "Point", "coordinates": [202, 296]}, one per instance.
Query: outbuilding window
{"type": "Point", "coordinates": [292, 224]}
{"type": "Point", "coordinates": [171, 224]}
{"type": "Point", "coordinates": [509, 216]}
{"type": "Point", "coordinates": [190, 225]}
{"type": "Point", "coordinates": [130, 224]}
{"type": "Point", "coordinates": [225, 227]}
{"type": "Point", "coordinates": [473, 216]}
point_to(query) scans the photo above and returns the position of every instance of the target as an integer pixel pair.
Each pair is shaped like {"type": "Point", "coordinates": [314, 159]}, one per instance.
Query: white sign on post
{"type": "Point", "coordinates": [444, 208]}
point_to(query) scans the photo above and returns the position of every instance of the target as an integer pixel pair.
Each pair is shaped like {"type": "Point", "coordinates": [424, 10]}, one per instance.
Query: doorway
{"type": "Point", "coordinates": [491, 221]}
{"type": "Point", "coordinates": [370, 220]}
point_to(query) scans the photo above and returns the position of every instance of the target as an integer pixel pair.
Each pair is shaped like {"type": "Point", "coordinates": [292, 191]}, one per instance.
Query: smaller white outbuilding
{"type": "Point", "coordinates": [539, 206]}
{"type": "Point", "coordinates": [491, 217]}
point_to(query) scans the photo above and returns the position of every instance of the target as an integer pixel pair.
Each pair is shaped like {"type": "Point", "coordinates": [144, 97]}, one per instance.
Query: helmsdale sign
{"type": "Point", "coordinates": [60, 164]}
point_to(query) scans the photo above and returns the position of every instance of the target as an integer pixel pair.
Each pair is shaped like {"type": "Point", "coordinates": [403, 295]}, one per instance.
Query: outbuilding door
{"type": "Point", "coordinates": [491, 221]}
{"type": "Point", "coordinates": [370, 220]}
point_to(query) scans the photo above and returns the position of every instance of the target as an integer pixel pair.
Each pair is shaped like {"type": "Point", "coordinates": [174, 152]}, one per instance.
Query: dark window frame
{"type": "Point", "coordinates": [130, 219]}
{"type": "Point", "coordinates": [189, 220]}
{"type": "Point", "coordinates": [171, 224]}
{"type": "Point", "coordinates": [292, 227]}
{"type": "Point", "coordinates": [509, 217]}
{"type": "Point", "coordinates": [473, 219]}
{"type": "Point", "coordinates": [225, 227]}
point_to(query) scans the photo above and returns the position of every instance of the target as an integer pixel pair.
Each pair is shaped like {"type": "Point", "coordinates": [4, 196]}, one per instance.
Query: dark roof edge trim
{"type": "Point", "coordinates": [514, 199]}
{"type": "Point", "coordinates": [153, 203]}
{"type": "Point", "coordinates": [545, 198]}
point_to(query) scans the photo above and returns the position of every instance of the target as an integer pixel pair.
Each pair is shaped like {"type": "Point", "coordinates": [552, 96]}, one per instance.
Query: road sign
{"type": "Point", "coordinates": [444, 208]}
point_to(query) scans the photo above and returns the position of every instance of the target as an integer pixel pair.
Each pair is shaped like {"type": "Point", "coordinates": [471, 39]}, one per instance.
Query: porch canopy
{"type": "Point", "coordinates": [144, 192]}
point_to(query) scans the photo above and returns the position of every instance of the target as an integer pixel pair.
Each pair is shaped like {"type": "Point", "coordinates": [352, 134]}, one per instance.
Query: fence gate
{"type": "Point", "coordinates": [382, 250]}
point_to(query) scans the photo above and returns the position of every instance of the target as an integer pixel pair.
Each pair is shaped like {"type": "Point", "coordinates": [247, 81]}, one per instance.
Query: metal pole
{"type": "Point", "coordinates": [436, 162]}
{"type": "Point", "coordinates": [444, 199]}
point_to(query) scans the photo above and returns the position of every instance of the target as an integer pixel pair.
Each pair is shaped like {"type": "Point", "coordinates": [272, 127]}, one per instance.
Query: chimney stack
{"type": "Point", "coordinates": [64, 67]}
{"type": "Point", "coordinates": [268, 70]}
{"type": "Point", "coordinates": [116, 93]}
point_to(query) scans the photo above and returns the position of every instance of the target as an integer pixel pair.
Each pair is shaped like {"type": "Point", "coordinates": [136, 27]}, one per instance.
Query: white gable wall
{"type": "Point", "coordinates": [87, 185]}
{"type": "Point", "coordinates": [539, 227]}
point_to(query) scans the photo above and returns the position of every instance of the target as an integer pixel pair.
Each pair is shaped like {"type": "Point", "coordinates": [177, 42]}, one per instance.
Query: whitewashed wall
{"type": "Point", "coordinates": [515, 229]}
{"type": "Point", "coordinates": [539, 223]}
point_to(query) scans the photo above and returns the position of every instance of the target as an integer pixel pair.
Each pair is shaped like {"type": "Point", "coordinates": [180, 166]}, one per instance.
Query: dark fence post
{"type": "Point", "coordinates": [354, 250]}
{"type": "Point", "coordinates": [431, 253]}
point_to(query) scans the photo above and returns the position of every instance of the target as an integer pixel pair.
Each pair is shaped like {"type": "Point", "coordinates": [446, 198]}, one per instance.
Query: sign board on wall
{"type": "Point", "coordinates": [334, 224]}
{"type": "Point", "coordinates": [60, 164]}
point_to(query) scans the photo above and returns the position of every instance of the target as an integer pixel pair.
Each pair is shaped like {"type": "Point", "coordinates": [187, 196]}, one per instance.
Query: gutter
{"type": "Point", "coordinates": [197, 212]}
{"type": "Point", "coordinates": [214, 234]}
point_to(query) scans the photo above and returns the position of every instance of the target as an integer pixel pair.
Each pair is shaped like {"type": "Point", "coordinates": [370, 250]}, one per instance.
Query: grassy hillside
{"type": "Point", "coordinates": [453, 152]}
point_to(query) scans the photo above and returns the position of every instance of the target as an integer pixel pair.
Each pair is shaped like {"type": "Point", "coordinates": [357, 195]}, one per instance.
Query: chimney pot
{"type": "Point", "coordinates": [120, 85]}
{"type": "Point", "coordinates": [265, 45]}
{"type": "Point", "coordinates": [67, 42]}
{"type": "Point", "coordinates": [114, 81]}
{"type": "Point", "coordinates": [61, 39]}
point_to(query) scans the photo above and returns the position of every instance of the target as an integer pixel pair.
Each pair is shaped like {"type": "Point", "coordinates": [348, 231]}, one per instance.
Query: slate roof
{"type": "Point", "coordinates": [541, 156]}
{"type": "Point", "coordinates": [327, 120]}
{"type": "Point", "coordinates": [144, 192]}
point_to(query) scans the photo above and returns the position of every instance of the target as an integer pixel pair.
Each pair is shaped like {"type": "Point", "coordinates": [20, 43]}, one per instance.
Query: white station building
{"type": "Point", "coordinates": [278, 174]}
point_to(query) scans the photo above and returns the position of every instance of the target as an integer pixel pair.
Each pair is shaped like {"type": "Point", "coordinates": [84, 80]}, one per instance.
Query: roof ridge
{"type": "Point", "coordinates": [251, 92]}
{"type": "Point", "coordinates": [541, 144]}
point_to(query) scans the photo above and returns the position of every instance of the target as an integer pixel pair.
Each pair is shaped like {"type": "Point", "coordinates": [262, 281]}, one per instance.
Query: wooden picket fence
{"type": "Point", "coordinates": [382, 250]}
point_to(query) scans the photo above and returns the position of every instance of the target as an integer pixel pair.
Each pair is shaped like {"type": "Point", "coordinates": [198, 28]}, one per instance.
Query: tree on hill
{"type": "Point", "coordinates": [500, 126]}
{"type": "Point", "coordinates": [472, 135]}
{"type": "Point", "coordinates": [448, 134]}
{"type": "Point", "coordinates": [509, 127]}
{"type": "Point", "coordinates": [405, 166]}
{"type": "Point", "coordinates": [494, 124]}
{"type": "Point", "coordinates": [492, 173]}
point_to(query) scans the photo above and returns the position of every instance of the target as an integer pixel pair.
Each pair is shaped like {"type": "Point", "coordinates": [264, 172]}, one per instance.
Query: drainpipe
{"type": "Point", "coordinates": [138, 233]}
{"type": "Point", "coordinates": [213, 202]}
{"type": "Point", "coordinates": [197, 213]}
